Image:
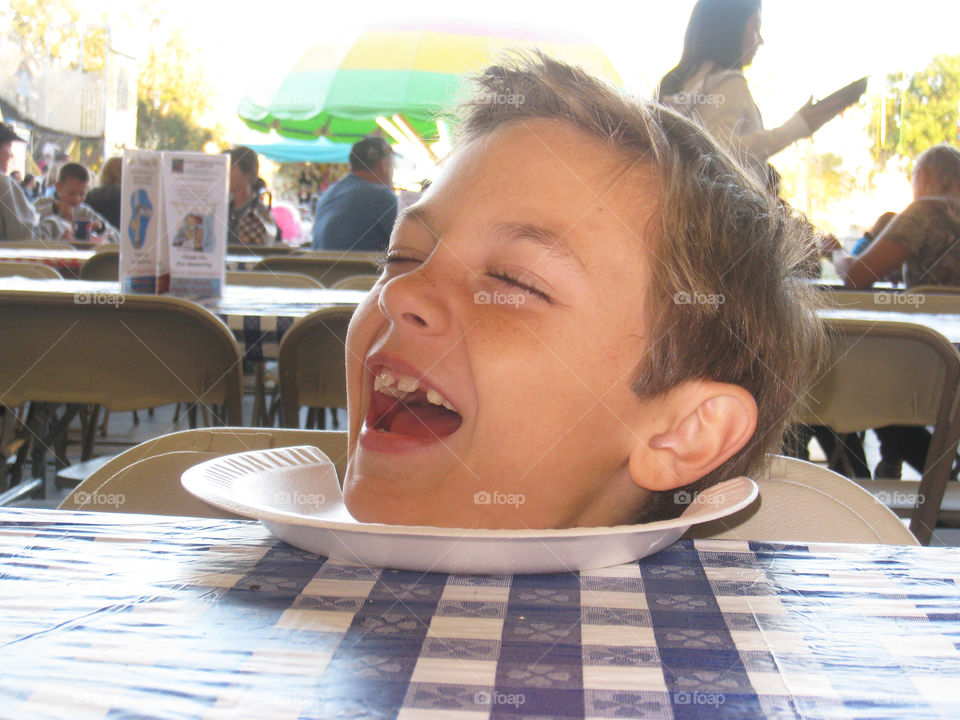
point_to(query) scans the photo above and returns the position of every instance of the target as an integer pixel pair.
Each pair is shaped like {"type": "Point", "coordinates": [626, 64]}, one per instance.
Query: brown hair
{"type": "Point", "coordinates": [75, 171]}
{"type": "Point", "coordinates": [112, 171]}
{"type": "Point", "coordinates": [725, 302]}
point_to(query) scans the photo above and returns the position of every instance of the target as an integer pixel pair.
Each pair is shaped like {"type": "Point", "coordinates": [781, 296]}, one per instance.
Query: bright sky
{"type": "Point", "coordinates": [812, 47]}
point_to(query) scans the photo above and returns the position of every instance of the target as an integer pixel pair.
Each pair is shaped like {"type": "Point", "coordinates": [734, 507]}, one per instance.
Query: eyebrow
{"type": "Point", "coordinates": [552, 242]}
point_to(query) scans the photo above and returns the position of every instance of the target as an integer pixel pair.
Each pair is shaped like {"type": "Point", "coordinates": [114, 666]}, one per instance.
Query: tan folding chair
{"type": "Point", "coordinates": [803, 502]}
{"type": "Point", "coordinates": [327, 267]}
{"type": "Point", "coordinates": [34, 270]}
{"type": "Point", "coordinates": [891, 373]}
{"type": "Point", "coordinates": [272, 279]}
{"type": "Point", "coordinates": [936, 289]}
{"type": "Point", "coordinates": [121, 352]}
{"type": "Point", "coordinates": [264, 372]}
{"type": "Point", "coordinates": [146, 478]}
{"type": "Point", "coordinates": [312, 364]}
{"type": "Point", "coordinates": [356, 282]}
{"type": "Point", "coordinates": [104, 266]}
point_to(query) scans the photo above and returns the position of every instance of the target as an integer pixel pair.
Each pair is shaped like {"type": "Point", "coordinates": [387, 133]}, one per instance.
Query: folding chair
{"type": "Point", "coordinates": [327, 267]}
{"type": "Point", "coordinates": [803, 502]}
{"type": "Point", "coordinates": [272, 279]}
{"type": "Point", "coordinates": [121, 352]}
{"type": "Point", "coordinates": [312, 362]}
{"type": "Point", "coordinates": [103, 266]}
{"type": "Point", "coordinates": [356, 282]}
{"type": "Point", "coordinates": [147, 477]}
{"type": "Point", "coordinates": [34, 270]}
{"type": "Point", "coordinates": [892, 373]}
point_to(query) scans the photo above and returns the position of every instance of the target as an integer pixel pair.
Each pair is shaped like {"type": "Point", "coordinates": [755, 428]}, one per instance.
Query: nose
{"type": "Point", "coordinates": [417, 300]}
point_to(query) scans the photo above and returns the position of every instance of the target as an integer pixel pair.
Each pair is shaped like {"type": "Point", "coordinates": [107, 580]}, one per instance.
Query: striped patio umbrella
{"type": "Point", "coordinates": [413, 68]}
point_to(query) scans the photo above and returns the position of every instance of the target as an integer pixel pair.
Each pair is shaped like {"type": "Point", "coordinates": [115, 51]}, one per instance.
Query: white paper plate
{"type": "Point", "coordinates": [294, 492]}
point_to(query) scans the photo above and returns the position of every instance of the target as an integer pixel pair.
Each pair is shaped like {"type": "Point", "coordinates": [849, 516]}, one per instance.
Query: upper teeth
{"type": "Point", "coordinates": [402, 386]}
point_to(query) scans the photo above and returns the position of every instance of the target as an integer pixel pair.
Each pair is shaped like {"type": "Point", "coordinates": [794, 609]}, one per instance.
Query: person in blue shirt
{"type": "Point", "coordinates": [358, 211]}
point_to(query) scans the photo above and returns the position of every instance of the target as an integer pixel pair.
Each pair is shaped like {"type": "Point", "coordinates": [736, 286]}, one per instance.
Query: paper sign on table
{"type": "Point", "coordinates": [195, 207]}
{"type": "Point", "coordinates": [144, 252]}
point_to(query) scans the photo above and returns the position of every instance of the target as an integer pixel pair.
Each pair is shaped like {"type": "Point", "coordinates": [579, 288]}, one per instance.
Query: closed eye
{"type": "Point", "coordinates": [515, 281]}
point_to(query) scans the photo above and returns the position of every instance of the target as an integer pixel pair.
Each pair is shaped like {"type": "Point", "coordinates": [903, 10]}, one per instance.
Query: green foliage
{"type": "Point", "coordinates": [917, 111]}
{"type": "Point", "coordinates": [815, 184]}
{"type": "Point", "coordinates": [52, 28]}
{"type": "Point", "coordinates": [172, 97]}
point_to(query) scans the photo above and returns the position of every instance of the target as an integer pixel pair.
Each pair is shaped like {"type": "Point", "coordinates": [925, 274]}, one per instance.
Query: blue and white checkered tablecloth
{"type": "Point", "coordinates": [116, 616]}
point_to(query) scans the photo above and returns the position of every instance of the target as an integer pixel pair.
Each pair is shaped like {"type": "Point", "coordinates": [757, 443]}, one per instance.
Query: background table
{"type": "Point", "coordinates": [113, 615]}
{"type": "Point", "coordinates": [70, 261]}
{"type": "Point", "coordinates": [257, 316]}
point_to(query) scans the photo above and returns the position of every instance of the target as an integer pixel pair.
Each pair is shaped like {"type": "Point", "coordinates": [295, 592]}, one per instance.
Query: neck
{"type": "Point", "coordinates": [241, 196]}
{"type": "Point", "coordinates": [369, 176]}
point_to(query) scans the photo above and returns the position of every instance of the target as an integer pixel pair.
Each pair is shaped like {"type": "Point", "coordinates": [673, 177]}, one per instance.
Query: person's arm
{"type": "Point", "coordinates": [726, 109]}
{"type": "Point", "coordinates": [18, 218]}
{"type": "Point", "coordinates": [884, 256]}
{"type": "Point", "coordinates": [100, 225]}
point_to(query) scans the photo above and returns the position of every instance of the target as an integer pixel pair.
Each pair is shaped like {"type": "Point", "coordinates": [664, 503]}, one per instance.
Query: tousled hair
{"type": "Point", "coordinates": [724, 300]}
{"type": "Point", "coordinates": [112, 171]}
{"type": "Point", "coordinates": [714, 34]}
{"type": "Point", "coordinates": [75, 171]}
{"type": "Point", "coordinates": [942, 165]}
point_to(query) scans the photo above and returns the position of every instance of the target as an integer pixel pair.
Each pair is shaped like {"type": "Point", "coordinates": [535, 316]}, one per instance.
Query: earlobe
{"type": "Point", "coordinates": [709, 423]}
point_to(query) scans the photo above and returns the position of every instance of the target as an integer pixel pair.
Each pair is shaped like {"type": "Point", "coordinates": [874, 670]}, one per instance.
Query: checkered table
{"type": "Point", "coordinates": [114, 615]}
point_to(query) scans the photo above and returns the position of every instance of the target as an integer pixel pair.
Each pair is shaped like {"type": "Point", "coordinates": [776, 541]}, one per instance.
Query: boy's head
{"type": "Point", "coordinates": [603, 299]}
{"type": "Point", "coordinates": [73, 181]}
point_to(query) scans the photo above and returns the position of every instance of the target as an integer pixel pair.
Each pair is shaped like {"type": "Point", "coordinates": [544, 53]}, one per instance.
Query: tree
{"type": "Point", "coordinates": [918, 111]}
{"type": "Point", "coordinates": [172, 97]}
{"type": "Point", "coordinates": [816, 184]}
{"type": "Point", "coordinates": [53, 29]}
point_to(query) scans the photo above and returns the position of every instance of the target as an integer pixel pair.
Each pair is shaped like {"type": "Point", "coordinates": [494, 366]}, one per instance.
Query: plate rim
{"type": "Point", "coordinates": [193, 476]}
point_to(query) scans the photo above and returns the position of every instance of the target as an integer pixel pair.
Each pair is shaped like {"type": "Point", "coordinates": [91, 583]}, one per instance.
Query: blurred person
{"type": "Point", "coordinates": [30, 186]}
{"type": "Point", "coordinates": [105, 198]}
{"type": "Point", "coordinates": [60, 214]}
{"type": "Point", "coordinates": [18, 219]}
{"type": "Point", "coordinates": [358, 211]}
{"type": "Point", "coordinates": [924, 239]}
{"type": "Point", "coordinates": [17, 177]}
{"type": "Point", "coordinates": [251, 222]}
{"type": "Point", "coordinates": [721, 39]}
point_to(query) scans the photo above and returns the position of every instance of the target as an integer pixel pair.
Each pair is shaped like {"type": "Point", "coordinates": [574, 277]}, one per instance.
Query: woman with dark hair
{"type": "Point", "coordinates": [251, 222]}
{"type": "Point", "coordinates": [722, 38]}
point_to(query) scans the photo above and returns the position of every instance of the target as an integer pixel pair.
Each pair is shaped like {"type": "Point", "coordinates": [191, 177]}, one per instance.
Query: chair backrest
{"type": "Point", "coordinates": [356, 282]}
{"type": "Point", "coordinates": [803, 502]}
{"type": "Point", "coordinates": [327, 267]}
{"type": "Point", "coordinates": [104, 265]}
{"type": "Point", "coordinates": [121, 351]}
{"type": "Point", "coordinates": [272, 279]}
{"type": "Point", "coordinates": [936, 289]}
{"type": "Point", "coordinates": [892, 373]}
{"type": "Point", "coordinates": [147, 477]}
{"type": "Point", "coordinates": [312, 363]}
{"type": "Point", "coordinates": [35, 270]}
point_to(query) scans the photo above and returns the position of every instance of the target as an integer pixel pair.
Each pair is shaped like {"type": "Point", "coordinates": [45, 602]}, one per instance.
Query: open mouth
{"type": "Point", "coordinates": [399, 405]}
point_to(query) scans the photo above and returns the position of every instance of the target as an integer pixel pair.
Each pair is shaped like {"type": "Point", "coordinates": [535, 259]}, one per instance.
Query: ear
{"type": "Point", "coordinates": [703, 424]}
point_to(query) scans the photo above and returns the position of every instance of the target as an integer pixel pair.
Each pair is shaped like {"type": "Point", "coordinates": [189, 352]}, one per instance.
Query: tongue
{"type": "Point", "coordinates": [424, 421]}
